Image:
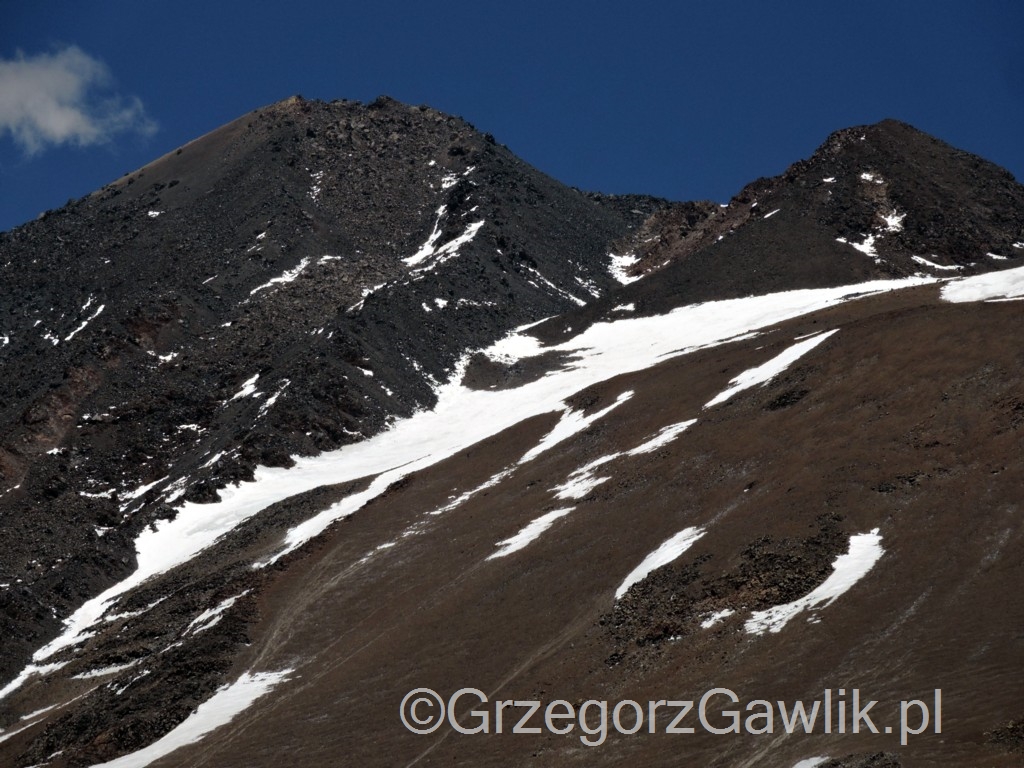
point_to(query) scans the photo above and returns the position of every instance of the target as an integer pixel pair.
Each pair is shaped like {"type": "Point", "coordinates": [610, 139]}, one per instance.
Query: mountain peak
{"type": "Point", "coordinates": [882, 200]}
{"type": "Point", "coordinates": [288, 283]}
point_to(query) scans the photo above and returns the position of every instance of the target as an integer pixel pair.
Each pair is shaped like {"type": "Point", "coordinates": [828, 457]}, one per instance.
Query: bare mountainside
{"type": "Point", "coordinates": [343, 401]}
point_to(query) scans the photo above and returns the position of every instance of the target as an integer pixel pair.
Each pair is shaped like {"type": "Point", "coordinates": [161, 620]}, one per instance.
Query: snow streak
{"type": "Point", "coordinates": [847, 570]}
{"type": "Point", "coordinates": [461, 418]}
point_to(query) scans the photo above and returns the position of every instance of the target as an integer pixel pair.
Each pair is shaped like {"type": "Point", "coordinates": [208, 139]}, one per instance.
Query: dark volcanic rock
{"type": "Point", "coordinates": [1008, 737]}
{"type": "Point", "coordinates": [670, 603]}
{"type": "Point", "coordinates": [271, 252]}
{"type": "Point", "coordinates": [904, 192]}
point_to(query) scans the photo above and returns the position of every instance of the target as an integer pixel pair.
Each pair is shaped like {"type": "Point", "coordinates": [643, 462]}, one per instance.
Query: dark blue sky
{"type": "Point", "coordinates": [681, 99]}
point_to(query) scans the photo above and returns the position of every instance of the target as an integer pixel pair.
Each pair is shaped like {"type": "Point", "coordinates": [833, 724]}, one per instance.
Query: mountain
{"type": "Point", "coordinates": [341, 401]}
{"type": "Point", "coordinates": [336, 259]}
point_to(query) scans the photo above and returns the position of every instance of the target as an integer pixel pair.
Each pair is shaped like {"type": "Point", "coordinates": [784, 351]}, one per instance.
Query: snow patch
{"type": "Point", "coordinates": [5, 735]}
{"type": "Point", "coordinates": [589, 286]}
{"type": "Point", "coordinates": [457, 501]}
{"type": "Point", "coordinates": [582, 481]}
{"type": "Point", "coordinates": [220, 709]}
{"type": "Point", "coordinates": [665, 436]}
{"type": "Point", "coordinates": [894, 221]}
{"type": "Point", "coordinates": [317, 187]}
{"type": "Point", "coordinates": [440, 255]}
{"type": "Point", "coordinates": [619, 264]}
{"type": "Point", "coordinates": [470, 303]}
{"type": "Point", "coordinates": [385, 546]}
{"type": "Point", "coordinates": [130, 496]}
{"type": "Point", "coordinates": [716, 617]}
{"type": "Point", "coordinates": [29, 671]}
{"type": "Point", "coordinates": [366, 292]}
{"type": "Point", "coordinates": [571, 423]}
{"type": "Point", "coordinates": [273, 399]}
{"type": "Point", "coordinates": [176, 490]}
{"type": "Point", "coordinates": [248, 388]}
{"type": "Point", "coordinates": [867, 247]}
{"type": "Point", "coordinates": [427, 249]}
{"type": "Point", "coordinates": [932, 265]}
{"type": "Point", "coordinates": [109, 493]}
{"type": "Point", "coordinates": [765, 372]}
{"type": "Point", "coordinates": [1006, 284]}
{"type": "Point", "coordinates": [85, 322]}
{"type": "Point", "coordinates": [529, 533]}
{"type": "Point", "coordinates": [669, 550]}
{"type": "Point", "coordinates": [133, 614]}
{"type": "Point", "coordinates": [211, 616]}
{"type": "Point", "coordinates": [213, 460]}
{"type": "Point", "coordinates": [847, 570]}
{"type": "Point", "coordinates": [105, 671]}
{"type": "Point", "coordinates": [563, 293]}
{"type": "Point", "coordinates": [287, 277]}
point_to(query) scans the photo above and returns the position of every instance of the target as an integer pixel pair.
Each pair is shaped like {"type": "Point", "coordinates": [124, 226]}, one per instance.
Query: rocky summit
{"type": "Point", "coordinates": [340, 435]}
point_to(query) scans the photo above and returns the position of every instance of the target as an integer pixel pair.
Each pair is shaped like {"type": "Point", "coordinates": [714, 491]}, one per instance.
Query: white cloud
{"type": "Point", "coordinates": [64, 98]}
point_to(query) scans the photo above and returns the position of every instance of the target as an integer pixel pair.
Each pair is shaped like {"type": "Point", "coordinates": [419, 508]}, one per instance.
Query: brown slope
{"type": "Point", "coordinates": [932, 614]}
{"type": "Point", "coordinates": [906, 420]}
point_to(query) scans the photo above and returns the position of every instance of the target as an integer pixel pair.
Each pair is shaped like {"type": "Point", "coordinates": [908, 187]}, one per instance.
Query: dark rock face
{"type": "Point", "coordinates": [272, 247]}
{"type": "Point", "coordinates": [1008, 737]}
{"type": "Point", "coordinates": [862, 207]}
